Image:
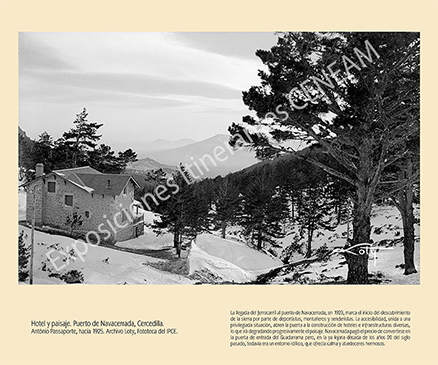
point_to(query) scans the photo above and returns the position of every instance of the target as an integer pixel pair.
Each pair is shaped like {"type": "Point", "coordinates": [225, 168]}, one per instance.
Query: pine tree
{"type": "Point", "coordinates": [185, 213]}
{"type": "Point", "coordinates": [316, 211]}
{"type": "Point", "coordinates": [62, 155]}
{"type": "Point", "coordinates": [228, 204]}
{"type": "Point", "coordinates": [43, 152]}
{"type": "Point", "coordinates": [127, 157]}
{"type": "Point", "coordinates": [82, 138]}
{"type": "Point", "coordinates": [373, 104]}
{"type": "Point", "coordinates": [196, 211]}
{"type": "Point", "coordinates": [403, 200]}
{"type": "Point", "coordinates": [104, 160]}
{"type": "Point", "coordinates": [23, 258]}
{"type": "Point", "coordinates": [401, 183]}
{"type": "Point", "coordinates": [264, 208]}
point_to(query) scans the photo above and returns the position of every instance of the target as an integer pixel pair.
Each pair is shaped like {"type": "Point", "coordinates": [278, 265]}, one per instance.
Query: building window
{"type": "Point", "coordinates": [51, 187]}
{"type": "Point", "coordinates": [87, 214]}
{"type": "Point", "coordinates": [68, 200]}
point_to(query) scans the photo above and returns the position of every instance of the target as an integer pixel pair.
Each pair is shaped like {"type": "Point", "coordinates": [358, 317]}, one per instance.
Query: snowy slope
{"type": "Point", "coordinates": [236, 253]}
{"type": "Point", "coordinates": [230, 260]}
{"type": "Point", "coordinates": [384, 265]}
{"type": "Point", "coordinates": [384, 259]}
{"type": "Point", "coordinates": [227, 271]}
{"type": "Point", "coordinates": [99, 265]}
{"type": "Point", "coordinates": [386, 224]}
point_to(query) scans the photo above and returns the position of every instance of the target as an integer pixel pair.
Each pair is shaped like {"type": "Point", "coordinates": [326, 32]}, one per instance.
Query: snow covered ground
{"type": "Point", "coordinates": [230, 260]}
{"type": "Point", "coordinates": [223, 260]}
{"type": "Point", "coordinates": [99, 265]}
{"type": "Point", "coordinates": [385, 256]}
{"type": "Point", "coordinates": [384, 265]}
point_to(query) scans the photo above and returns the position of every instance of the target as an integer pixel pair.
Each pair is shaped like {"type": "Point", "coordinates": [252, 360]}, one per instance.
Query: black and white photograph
{"type": "Point", "coordinates": [219, 158]}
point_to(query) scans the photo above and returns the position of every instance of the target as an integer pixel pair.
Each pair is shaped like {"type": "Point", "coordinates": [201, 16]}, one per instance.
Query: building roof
{"type": "Point", "coordinates": [107, 184]}
{"type": "Point", "coordinates": [82, 170]}
{"type": "Point", "coordinates": [93, 181]}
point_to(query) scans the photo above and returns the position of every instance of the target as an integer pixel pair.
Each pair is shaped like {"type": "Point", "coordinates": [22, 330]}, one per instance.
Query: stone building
{"type": "Point", "coordinates": [104, 202]}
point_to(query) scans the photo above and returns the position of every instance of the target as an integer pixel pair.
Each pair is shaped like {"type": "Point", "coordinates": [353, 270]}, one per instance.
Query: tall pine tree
{"type": "Point", "coordinates": [356, 94]}
{"type": "Point", "coordinates": [264, 208]}
{"type": "Point", "coordinates": [228, 204]}
{"type": "Point", "coordinates": [82, 138]}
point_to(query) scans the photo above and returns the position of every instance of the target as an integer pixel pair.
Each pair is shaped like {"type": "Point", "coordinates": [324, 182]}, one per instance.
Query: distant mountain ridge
{"type": "Point", "coordinates": [208, 158]}
{"type": "Point", "coordinates": [164, 144]}
{"type": "Point", "coordinates": [147, 164]}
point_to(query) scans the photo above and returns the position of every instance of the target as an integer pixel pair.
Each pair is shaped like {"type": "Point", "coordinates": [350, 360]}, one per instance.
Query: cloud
{"type": "Point", "coordinates": [136, 84]}
{"type": "Point", "coordinates": [163, 78]}
{"type": "Point", "coordinates": [37, 55]}
{"type": "Point", "coordinates": [153, 54]}
{"type": "Point", "coordinates": [235, 44]}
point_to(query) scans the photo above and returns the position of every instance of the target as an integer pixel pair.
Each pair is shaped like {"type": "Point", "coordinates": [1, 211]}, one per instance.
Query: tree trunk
{"type": "Point", "coordinates": [405, 206]}
{"type": "Point", "coordinates": [408, 224]}
{"type": "Point", "coordinates": [259, 241]}
{"type": "Point", "coordinates": [75, 158]}
{"type": "Point", "coordinates": [178, 250]}
{"type": "Point", "coordinates": [309, 242]}
{"type": "Point", "coordinates": [223, 228]}
{"type": "Point", "coordinates": [177, 237]}
{"type": "Point", "coordinates": [409, 241]}
{"type": "Point", "coordinates": [357, 257]}
{"type": "Point", "coordinates": [179, 244]}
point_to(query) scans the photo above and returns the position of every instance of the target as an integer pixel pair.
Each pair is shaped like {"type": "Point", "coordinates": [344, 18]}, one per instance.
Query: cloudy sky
{"type": "Point", "coordinates": [141, 86]}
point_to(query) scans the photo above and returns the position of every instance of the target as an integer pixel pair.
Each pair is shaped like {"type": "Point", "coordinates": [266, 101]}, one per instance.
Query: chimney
{"type": "Point", "coordinates": [39, 170]}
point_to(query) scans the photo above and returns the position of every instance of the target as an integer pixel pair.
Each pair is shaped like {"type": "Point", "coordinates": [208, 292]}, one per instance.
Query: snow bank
{"type": "Point", "coordinates": [99, 265]}
{"type": "Point", "coordinates": [237, 253]}
{"type": "Point", "coordinates": [231, 260]}
{"type": "Point", "coordinates": [200, 260]}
